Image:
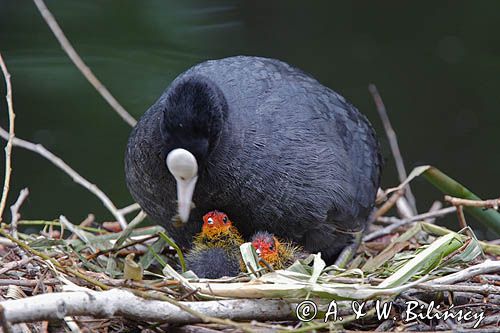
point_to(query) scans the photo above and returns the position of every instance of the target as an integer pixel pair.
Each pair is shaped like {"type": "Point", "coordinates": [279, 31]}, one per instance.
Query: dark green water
{"type": "Point", "coordinates": [437, 65]}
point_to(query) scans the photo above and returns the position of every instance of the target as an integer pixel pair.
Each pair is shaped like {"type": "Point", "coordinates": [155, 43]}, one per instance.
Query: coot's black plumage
{"type": "Point", "coordinates": [275, 150]}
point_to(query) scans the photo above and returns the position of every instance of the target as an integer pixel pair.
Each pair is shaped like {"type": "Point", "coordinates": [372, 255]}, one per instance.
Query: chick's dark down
{"type": "Point", "coordinates": [276, 151]}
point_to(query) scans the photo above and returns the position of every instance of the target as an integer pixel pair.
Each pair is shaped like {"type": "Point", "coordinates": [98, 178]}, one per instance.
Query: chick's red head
{"type": "Point", "coordinates": [214, 222]}
{"type": "Point", "coordinates": [266, 246]}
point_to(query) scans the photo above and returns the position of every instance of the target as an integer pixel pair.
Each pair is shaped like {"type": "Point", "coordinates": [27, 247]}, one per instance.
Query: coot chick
{"type": "Point", "coordinates": [276, 252]}
{"type": "Point", "coordinates": [265, 143]}
{"type": "Point", "coordinates": [216, 249]}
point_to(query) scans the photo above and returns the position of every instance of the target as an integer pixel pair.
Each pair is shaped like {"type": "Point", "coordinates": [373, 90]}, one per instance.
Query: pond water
{"type": "Point", "coordinates": [436, 68]}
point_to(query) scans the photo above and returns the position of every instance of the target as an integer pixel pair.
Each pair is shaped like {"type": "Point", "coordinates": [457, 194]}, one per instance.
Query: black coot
{"type": "Point", "coordinates": [265, 143]}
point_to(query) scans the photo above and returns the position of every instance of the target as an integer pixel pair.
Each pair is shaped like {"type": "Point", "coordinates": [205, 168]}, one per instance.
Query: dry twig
{"type": "Point", "coordinates": [492, 203]}
{"type": "Point", "coordinates": [436, 205]}
{"type": "Point", "coordinates": [8, 147]}
{"type": "Point", "coordinates": [489, 266]}
{"type": "Point", "coordinates": [461, 217]}
{"type": "Point", "coordinates": [14, 210]}
{"type": "Point", "coordinates": [481, 289]}
{"type": "Point", "coordinates": [388, 204]}
{"type": "Point", "coordinates": [120, 302]}
{"type": "Point", "coordinates": [14, 264]}
{"type": "Point", "coordinates": [396, 223]}
{"type": "Point", "coordinates": [129, 209]}
{"type": "Point", "coordinates": [4, 323]}
{"type": "Point", "coordinates": [393, 141]}
{"type": "Point", "coordinates": [77, 178]}
{"type": "Point", "coordinates": [82, 67]}
{"type": "Point", "coordinates": [37, 148]}
{"type": "Point", "coordinates": [54, 262]}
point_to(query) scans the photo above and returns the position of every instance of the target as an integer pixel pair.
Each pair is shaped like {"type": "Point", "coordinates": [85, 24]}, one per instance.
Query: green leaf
{"type": "Point", "coordinates": [152, 254]}
{"type": "Point", "coordinates": [171, 242]}
{"type": "Point", "coordinates": [488, 217]}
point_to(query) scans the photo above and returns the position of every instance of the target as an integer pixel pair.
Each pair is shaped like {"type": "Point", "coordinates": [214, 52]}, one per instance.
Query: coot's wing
{"type": "Point", "coordinates": [359, 146]}
{"type": "Point", "coordinates": [362, 147]}
{"type": "Point", "coordinates": [352, 130]}
{"type": "Point", "coordinates": [359, 142]}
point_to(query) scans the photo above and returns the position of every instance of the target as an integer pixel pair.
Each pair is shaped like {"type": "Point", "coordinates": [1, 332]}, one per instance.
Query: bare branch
{"type": "Point", "coordinates": [129, 209]}
{"type": "Point", "coordinates": [14, 210]}
{"type": "Point", "coordinates": [118, 302]}
{"type": "Point", "coordinates": [461, 217]}
{"type": "Point", "coordinates": [393, 141]}
{"type": "Point", "coordinates": [396, 223]}
{"type": "Point", "coordinates": [39, 149]}
{"type": "Point", "coordinates": [388, 204]}
{"type": "Point", "coordinates": [4, 323]}
{"type": "Point", "coordinates": [82, 67]}
{"type": "Point", "coordinates": [488, 266]}
{"type": "Point", "coordinates": [8, 147]}
{"type": "Point", "coordinates": [436, 205]}
{"type": "Point", "coordinates": [481, 289]}
{"type": "Point", "coordinates": [492, 203]}
{"type": "Point", "coordinates": [14, 264]}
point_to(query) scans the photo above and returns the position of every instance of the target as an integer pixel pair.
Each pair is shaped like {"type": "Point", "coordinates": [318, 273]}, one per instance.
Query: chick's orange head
{"type": "Point", "coordinates": [215, 221]}
{"type": "Point", "coordinates": [266, 246]}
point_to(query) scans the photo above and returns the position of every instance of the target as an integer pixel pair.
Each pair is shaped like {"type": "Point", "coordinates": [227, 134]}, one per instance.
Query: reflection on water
{"type": "Point", "coordinates": [437, 69]}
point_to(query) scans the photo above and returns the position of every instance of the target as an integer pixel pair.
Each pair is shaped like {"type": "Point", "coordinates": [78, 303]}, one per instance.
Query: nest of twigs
{"type": "Point", "coordinates": [70, 277]}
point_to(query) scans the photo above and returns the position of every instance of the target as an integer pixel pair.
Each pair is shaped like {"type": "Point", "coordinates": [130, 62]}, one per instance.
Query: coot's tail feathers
{"type": "Point", "coordinates": [212, 263]}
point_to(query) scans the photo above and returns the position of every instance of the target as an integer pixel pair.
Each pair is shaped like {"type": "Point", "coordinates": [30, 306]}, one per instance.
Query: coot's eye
{"type": "Point", "coordinates": [210, 220]}
{"type": "Point", "coordinates": [271, 247]}
{"type": "Point", "coordinates": [224, 219]}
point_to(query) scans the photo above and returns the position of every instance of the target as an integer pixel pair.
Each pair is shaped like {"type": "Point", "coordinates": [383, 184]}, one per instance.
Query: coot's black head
{"type": "Point", "coordinates": [191, 128]}
{"type": "Point", "coordinates": [193, 117]}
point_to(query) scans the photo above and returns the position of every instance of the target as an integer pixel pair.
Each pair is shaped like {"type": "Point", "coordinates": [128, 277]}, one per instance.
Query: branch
{"type": "Point", "coordinates": [492, 203]}
{"type": "Point", "coordinates": [489, 266]}
{"type": "Point", "coordinates": [8, 147]}
{"type": "Point", "coordinates": [82, 67]}
{"type": "Point", "coordinates": [14, 264]}
{"type": "Point", "coordinates": [396, 223]}
{"type": "Point", "coordinates": [53, 261]}
{"type": "Point", "coordinates": [388, 204]}
{"type": "Point", "coordinates": [393, 141]}
{"type": "Point", "coordinates": [461, 217]}
{"type": "Point", "coordinates": [117, 302]}
{"type": "Point", "coordinates": [4, 322]}
{"type": "Point", "coordinates": [39, 149]}
{"type": "Point", "coordinates": [14, 210]}
{"type": "Point", "coordinates": [487, 289]}
{"type": "Point", "coordinates": [129, 209]}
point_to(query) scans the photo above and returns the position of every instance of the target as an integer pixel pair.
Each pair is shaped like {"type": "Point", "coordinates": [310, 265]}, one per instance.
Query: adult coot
{"type": "Point", "coordinates": [265, 143]}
